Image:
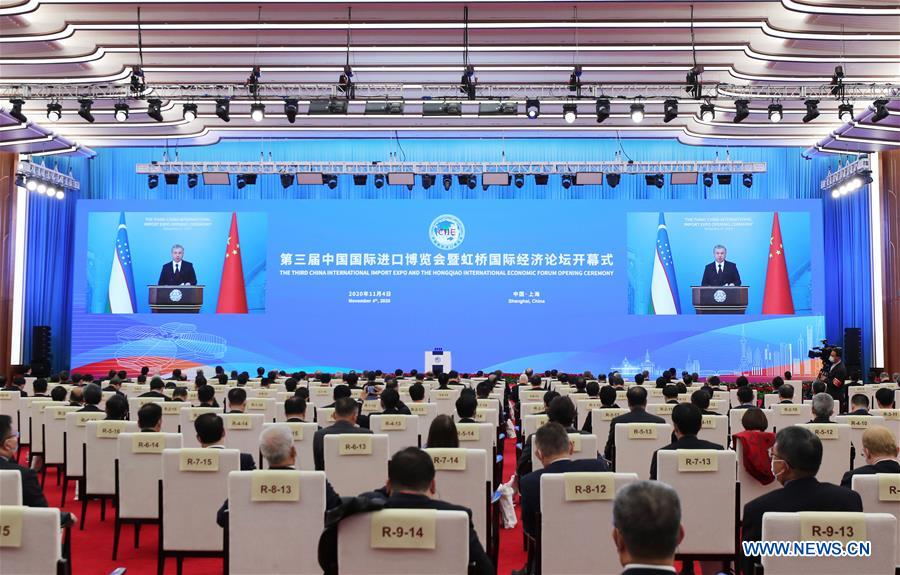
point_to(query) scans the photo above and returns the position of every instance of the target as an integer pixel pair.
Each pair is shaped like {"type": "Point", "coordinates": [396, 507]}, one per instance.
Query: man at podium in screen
{"type": "Point", "coordinates": [721, 272]}
{"type": "Point", "coordinates": [177, 272]}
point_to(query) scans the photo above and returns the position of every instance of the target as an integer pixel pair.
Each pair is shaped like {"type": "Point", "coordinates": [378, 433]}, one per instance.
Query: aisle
{"type": "Point", "coordinates": [512, 555]}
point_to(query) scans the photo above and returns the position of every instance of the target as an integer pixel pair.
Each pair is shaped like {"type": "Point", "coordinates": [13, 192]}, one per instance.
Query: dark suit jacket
{"type": "Point", "coordinates": [247, 463]}
{"type": "Point", "coordinates": [524, 465]}
{"type": "Point", "coordinates": [336, 428]}
{"type": "Point", "coordinates": [742, 406]}
{"type": "Point", "coordinates": [638, 415]}
{"type": "Point", "coordinates": [588, 421]}
{"type": "Point", "coordinates": [22, 392]}
{"type": "Point", "coordinates": [860, 412]}
{"type": "Point", "coordinates": [807, 494]}
{"type": "Point", "coordinates": [530, 486]}
{"type": "Point", "coordinates": [90, 408]}
{"type": "Point", "coordinates": [32, 494]}
{"type": "Point", "coordinates": [883, 466]}
{"type": "Point", "coordinates": [155, 394]}
{"type": "Point", "coordinates": [686, 442]}
{"type": "Point", "coordinates": [168, 277]}
{"type": "Point", "coordinates": [111, 388]}
{"type": "Point", "coordinates": [729, 275]}
{"type": "Point", "coordinates": [839, 372]}
{"type": "Point", "coordinates": [647, 571]}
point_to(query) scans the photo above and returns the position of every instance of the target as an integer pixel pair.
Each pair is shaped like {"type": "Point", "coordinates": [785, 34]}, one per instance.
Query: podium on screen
{"type": "Point", "coordinates": [176, 299]}
{"type": "Point", "coordinates": [720, 299]}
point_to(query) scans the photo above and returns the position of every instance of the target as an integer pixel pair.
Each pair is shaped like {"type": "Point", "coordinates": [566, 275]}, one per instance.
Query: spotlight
{"type": "Point", "coordinates": [776, 112]}
{"type": "Point", "coordinates": [741, 111]}
{"type": "Point", "coordinates": [532, 109]}
{"type": "Point", "coordinates": [570, 113]}
{"type": "Point", "coordinates": [84, 109]}
{"type": "Point", "coordinates": [192, 180]}
{"type": "Point", "coordinates": [707, 112]}
{"type": "Point", "coordinates": [60, 194]}
{"type": "Point", "coordinates": [51, 191]}
{"type": "Point", "coordinates": [747, 180]}
{"type": "Point", "coordinates": [16, 111]}
{"type": "Point", "coordinates": [567, 181]}
{"type": "Point", "coordinates": [379, 181]}
{"type": "Point", "coordinates": [603, 109]}
{"type": "Point", "coordinates": [287, 180]}
{"type": "Point", "coordinates": [331, 181]}
{"type": "Point", "coordinates": [31, 185]}
{"type": "Point", "coordinates": [42, 187]}
{"type": "Point", "coordinates": [447, 181]}
{"type": "Point", "coordinates": [519, 180]}
{"type": "Point", "coordinates": [835, 193]}
{"type": "Point", "coordinates": [613, 179]}
{"type": "Point", "coordinates": [121, 111]}
{"type": "Point", "coordinates": [470, 181]}
{"type": "Point", "coordinates": [541, 179]}
{"type": "Point", "coordinates": [670, 110]}
{"type": "Point", "coordinates": [223, 109]}
{"type": "Point", "coordinates": [241, 181]}
{"type": "Point", "coordinates": [250, 179]}
{"type": "Point", "coordinates": [152, 181]}
{"type": "Point", "coordinates": [708, 179]}
{"type": "Point", "coordinates": [359, 179]}
{"type": "Point", "coordinates": [290, 109]}
{"type": "Point", "coordinates": [812, 111]}
{"type": "Point", "coordinates": [258, 112]}
{"type": "Point", "coordinates": [484, 187]}
{"type": "Point", "coordinates": [881, 111]}
{"type": "Point", "coordinates": [655, 180]}
{"type": "Point", "coordinates": [637, 113]}
{"type": "Point", "coordinates": [427, 181]}
{"type": "Point", "coordinates": [724, 179]}
{"type": "Point", "coordinates": [137, 80]}
{"type": "Point", "coordinates": [154, 109]}
{"type": "Point", "coordinates": [171, 179]}
{"type": "Point", "coordinates": [189, 112]}
{"type": "Point", "coordinates": [845, 112]}
{"type": "Point", "coordinates": [54, 112]}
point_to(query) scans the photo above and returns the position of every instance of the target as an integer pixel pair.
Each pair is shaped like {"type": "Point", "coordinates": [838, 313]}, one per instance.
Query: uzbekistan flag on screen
{"type": "Point", "coordinates": [663, 287]}
{"type": "Point", "coordinates": [121, 276]}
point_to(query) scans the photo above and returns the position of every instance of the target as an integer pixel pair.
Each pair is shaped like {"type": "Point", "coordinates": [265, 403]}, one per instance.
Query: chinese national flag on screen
{"type": "Point", "coordinates": [777, 298]}
{"type": "Point", "coordinates": [232, 295]}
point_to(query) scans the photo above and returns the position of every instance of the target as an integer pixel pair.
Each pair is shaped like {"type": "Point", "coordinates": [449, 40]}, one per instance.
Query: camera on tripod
{"type": "Point", "coordinates": [823, 352]}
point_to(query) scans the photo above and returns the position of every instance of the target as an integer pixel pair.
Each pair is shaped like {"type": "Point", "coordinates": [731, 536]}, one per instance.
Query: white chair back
{"type": "Point", "coordinates": [140, 469]}
{"type": "Point", "coordinates": [478, 436]}
{"type": "Point", "coordinates": [54, 431]}
{"type": "Point", "coordinates": [663, 410]}
{"type": "Point", "coordinates": [751, 488]}
{"type": "Point", "coordinates": [583, 407]}
{"type": "Point", "coordinates": [186, 423]}
{"type": "Point", "coordinates": [635, 444]}
{"type": "Point", "coordinates": [10, 487]}
{"type": "Point", "coordinates": [891, 418]}
{"type": "Point", "coordinates": [195, 483]}
{"type": "Point", "coordinates": [714, 428]}
{"type": "Point", "coordinates": [460, 479]}
{"type": "Point", "coordinates": [171, 416]}
{"type": "Point", "coordinates": [880, 493]}
{"type": "Point", "coordinates": [601, 421]}
{"type": "Point", "coordinates": [445, 400]}
{"type": "Point", "coordinates": [787, 414]}
{"type": "Point", "coordinates": [356, 462]}
{"type": "Point", "coordinates": [485, 415]}
{"type": "Point", "coordinates": [531, 408]}
{"type": "Point", "coordinates": [303, 440]}
{"type": "Point", "coordinates": [37, 407]}
{"type": "Point", "coordinates": [100, 452]}
{"type": "Point", "coordinates": [262, 405]}
{"type": "Point", "coordinates": [40, 545]}
{"type": "Point", "coordinates": [321, 396]}
{"type": "Point", "coordinates": [566, 510]}
{"type": "Point", "coordinates": [323, 416]}
{"type": "Point", "coordinates": [266, 511]}
{"type": "Point", "coordinates": [584, 447]}
{"type": "Point", "coordinates": [705, 482]}
{"type": "Point", "coordinates": [9, 405]}
{"type": "Point", "coordinates": [361, 553]}
{"type": "Point", "coordinates": [242, 432]}
{"type": "Point", "coordinates": [76, 431]}
{"type": "Point", "coordinates": [402, 429]}
{"type": "Point", "coordinates": [880, 529]}
{"type": "Point", "coordinates": [858, 425]}
{"type": "Point", "coordinates": [135, 403]}
{"type": "Point", "coordinates": [426, 413]}
{"type": "Point", "coordinates": [530, 423]}
{"type": "Point", "coordinates": [835, 450]}
{"type": "Point", "coordinates": [531, 395]}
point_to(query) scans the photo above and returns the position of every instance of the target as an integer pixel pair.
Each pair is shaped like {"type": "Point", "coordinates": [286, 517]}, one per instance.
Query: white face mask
{"type": "Point", "coordinates": [772, 467]}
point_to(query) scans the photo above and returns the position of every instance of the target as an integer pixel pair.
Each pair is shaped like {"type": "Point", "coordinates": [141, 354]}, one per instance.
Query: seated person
{"type": "Point", "coordinates": [637, 405]}
{"type": "Point", "coordinates": [295, 409]}
{"type": "Point", "coordinates": [391, 404]}
{"type": "Point", "coordinates": [180, 393]}
{"type": "Point", "coordinates": [880, 450]}
{"type": "Point", "coordinates": [237, 400]}
{"type": "Point", "coordinates": [117, 408]}
{"type": "Point", "coordinates": [647, 528]}
{"type": "Point", "coordinates": [755, 444]}
{"type": "Point", "coordinates": [417, 393]}
{"type": "Point", "coordinates": [884, 398]}
{"type": "Point", "coordinates": [346, 412]}
{"type": "Point", "coordinates": [92, 397]}
{"type": "Point", "coordinates": [76, 397]}
{"type": "Point", "coordinates": [157, 385]}
{"type": "Point", "coordinates": [796, 458]}
{"type": "Point", "coordinates": [670, 393]}
{"type": "Point", "coordinates": [339, 391]}
{"type": "Point", "coordinates": [466, 405]}
{"type": "Point", "coordinates": [442, 432]}
{"type": "Point", "coordinates": [701, 398]}
{"type": "Point", "coordinates": [687, 420]}
{"type": "Point", "coordinates": [822, 408]}
{"type": "Point", "coordinates": [607, 396]}
{"type": "Point", "coordinates": [786, 393]}
{"type": "Point", "coordinates": [210, 429]}
{"type": "Point", "coordinates": [746, 398]}
{"type": "Point", "coordinates": [58, 393]}
{"type": "Point", "coordinates": [206, 396]}
{"type": "Point", "coordinates": [40, 387]}
{"type": "Point", "coordinates": [150, 417]}
{"type": "Point", "coordinates": [859, 404]}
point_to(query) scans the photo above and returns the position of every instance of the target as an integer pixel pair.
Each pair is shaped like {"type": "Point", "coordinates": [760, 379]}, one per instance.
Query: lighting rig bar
{"type": "Point", "coordinates": [453, 168]}
{"type": "Point", "coordinates": [847, 173]}
{"type": "Point", "coordinates": [48, 175]}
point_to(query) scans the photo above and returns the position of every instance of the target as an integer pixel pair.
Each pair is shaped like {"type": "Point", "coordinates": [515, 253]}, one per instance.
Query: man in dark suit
{"type": "Point", "coordinates": [880, 451]}
{"type": "Point", "coordinates": [701, 399]}
{"type": "Point", "coordinates": [295, 409]}
{"type": "Point", "coordinates": [410, 485]}
{"type": "Point", "coordinates": [745, 395]}
{"type": "Point", "coordinates": [647, 528]}
{"type": "Point", "coordinates": [346, 411]}
{"type": "Point", "coordinates": [237, 400]}
{"type": "Point", "coordinates": [884, 398]}
{"type": "Point", "coordinates": [687, 420]}
{"type": "Point", "coordinates": [822, 408]}
{"type": "Point", "coordinates": [157, 385]}
{"type": "Point", "coordinates": [560, 410]}
{"type": "Point", "coordinates": [92, 397]}
{"type": "Point", "coordinates": [720, 272]}
{"type": "Point", "coordinates": [115, 385]}
{"type": "Point", "coordinates": [210, 430]}
{"type": "Point", "coordinates": [786, 393]}
{"type": "Point", "coordinates": [637, 403]}
{"type": "Point", "coordinates": [834, 380]}
{"type": "Point", "coordinates": [32, 494]}
{"type": "Point", "coordinates": [150, 417]}
{"type": "Point", "coordinates": [859, 404]}
{"type": "Point", "coordinates": [466, 405]}
{"type": "Point", "coordinates": [796, 458]}
{"type": "Point", "coordinates": [178, 271]}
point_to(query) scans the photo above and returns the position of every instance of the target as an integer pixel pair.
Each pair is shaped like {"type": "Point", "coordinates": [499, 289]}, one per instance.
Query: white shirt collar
{"type": "Point", "coordinates": [645, 566]}
{"type": "Point", "coordinates": [174, 263]}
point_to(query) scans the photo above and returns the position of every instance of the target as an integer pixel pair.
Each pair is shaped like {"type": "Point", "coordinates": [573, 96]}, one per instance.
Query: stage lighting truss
{"type": "Point", "coordinates": [31, 171]}
{"type": "Point", "coordinates": [848, 179]}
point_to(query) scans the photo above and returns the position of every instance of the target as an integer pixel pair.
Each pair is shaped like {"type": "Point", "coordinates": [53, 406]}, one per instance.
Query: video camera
{"type": "Point", "coordinates": [823, 352]}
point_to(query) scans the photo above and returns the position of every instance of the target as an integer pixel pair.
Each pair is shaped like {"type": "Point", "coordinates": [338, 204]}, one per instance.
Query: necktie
{"type": "Point", "coordinates": [720, 269]}
{"type": "Point", "coordinates": [177, 268]}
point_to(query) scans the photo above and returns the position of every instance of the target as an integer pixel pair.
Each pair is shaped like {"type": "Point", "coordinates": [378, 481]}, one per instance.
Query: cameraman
{"type": "Point", "coordinates": [835, 378]}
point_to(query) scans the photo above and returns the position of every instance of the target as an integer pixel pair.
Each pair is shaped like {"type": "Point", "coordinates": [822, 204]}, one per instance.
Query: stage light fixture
{"type": "Point", "coordinates": [835, 193]}
{"type": "Point", "coordinates": [845, 112]}
{"type": "Point", "coordinates": [240, 181]}
{"type": "Point", "coordinates": [613, 179]}
{"type": "Point", "coordinates": [575, 79]}
{"type": "Point", "coordinates": [741, 111]}
{"type": "Point", "coordinates": [379, 181]}
{"type": "Point", "coordinates": [290, 109]}
{"type": "Point", "coordinates": [31, 185]}
{"type": "Point", "coordinates": [84, 109]}
{"type": "Point", "coordinates": [747, 180]}
{"type": "Point", "coordinates": [655, 180]}
{"type": "Point", "coordinates": [152, 181]}
{"type": "Point", "coordinates": [532, 109]}
{"type": "Point", "coordinates": [570, 113]}
{"type": "Point", "coordinates": [881, 111]}
{"type": "Point", "coordinates": [42, 187]}
{"type": "Point", "coordinates": [776, 112]}
{"type": "Point", "coordinates": [258, 112]}
{"type": "Point", "coordinates": [16, 110]}
{"type": "Point", "coordinates": [471, 181]}
{"type": "Point", "coordinates": [54, 112]}
{"type": "Point", "coordinates": [192, 180]}
{"type": "Point", "coordinates": [287, 180]}
{"type": "Point", "coordinates": [707, 112]}
{"type": "Point", "coordinates": [670, 110]}
{"type": "Point", "coordinates": [427, 181]}
{"type": "Point", "coordinates": [360, 179]}
{"type": "Point", "coordinates": [603, 109]}
{"type": "Point", "coordinates": [497, 109]}
{"type": "Point", "coordinates": [154, 109]}
{"type": "Point", "coordinates": [385, 108]}
{"type": "Point", "coordinates": [567, 181]}
{"type": "Point", "coordinates": [223, 109]}
{"type": "Point", "coordinates": [637, 113]}
{"type": "Point", "coordinates": [708, 179]}
{"type": "Point", "coordinates": [189, 112]}
{"type": "Point", "coordinates": [724, 179]}
{"type": "Point", "coordinates": [121, 111]}
{"type": "Point", "coordinates": [541, 179]}
{"type": "Point", "coordinates": [812, 111]}
{"type": "Point", "coordinates": [519, 180]}
{"type": "Point", "coordinates": [447, 181]}
{"type": "Point", "coordinates": [60, 195]}
{"type": "Point", "coordinates": [442, 109]}
{"type": "Point", "coordinates": [51, 191]}
{"type": "Point", "coordinates": [171, 179]}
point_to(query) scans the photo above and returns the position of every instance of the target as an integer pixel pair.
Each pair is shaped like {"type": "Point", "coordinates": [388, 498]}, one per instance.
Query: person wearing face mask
{"type": "Point", "coordinates": [834, 381]}
{"type": "Point", "coordinates": [796, 457]}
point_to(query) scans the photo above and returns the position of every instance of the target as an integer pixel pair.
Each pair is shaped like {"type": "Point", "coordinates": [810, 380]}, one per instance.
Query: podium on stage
{"type": "Point", "coordinates": [176, 299]}
{"type": "Point", "coordinates": [719, 299]}
{"type": "Point", "coordinates": [437, 361]}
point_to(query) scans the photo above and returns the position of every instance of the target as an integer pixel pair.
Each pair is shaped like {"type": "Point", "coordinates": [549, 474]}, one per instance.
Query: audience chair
{"type": "Point", "coordinates": [584, 447]}
{"type": "Point", "coordinates": [835, 450]}
{"type": "Point", "coordinates": [403, 430]}
{"type": "Point", "coordinates": [715, 428]}
{"type": "Point", "coordinates": [356, 462]}
{"type": "Point", "coordinates": [10, 487]}
{"type": "Point", "coordinates": [750, 488]}
{"type": "Point", "coordinates": [635, 444]}
{"type": "Point", "coordinates": [303, 441]}
{"type": "Point", "coordinates": [99, 456]}
{"type": "Point", "coordinates": [460, 479]}
{"type": "Point", "coordinates": [879, 495]}
{"type": "Point", "coordinates": [426, 413]}
{"type": "Point", "coordinates": [135, 404]}
{"type": "Point", "coordinates": [323, 416]}
{"type": "Point", "coordinates": [73, 440]}
{"type": "Point", "coordinates": [40, 549]}
{"type": "Point", "coordinates": [186, 423]}
{"type": "Point", "coordinates": [53, 432]}
{"type": "Point", "coordinates": [858, 425]}
{"type": "Point", "coordinates": [242, 432]}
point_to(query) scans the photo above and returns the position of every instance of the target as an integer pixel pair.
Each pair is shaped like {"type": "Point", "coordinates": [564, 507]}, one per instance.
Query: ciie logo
{"type": "Point", "coordinates": [175, 295]}
{"type": "Point", "coordinates": [447, 232]}
{"type": "Point", "coordinates": [719, 296]}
